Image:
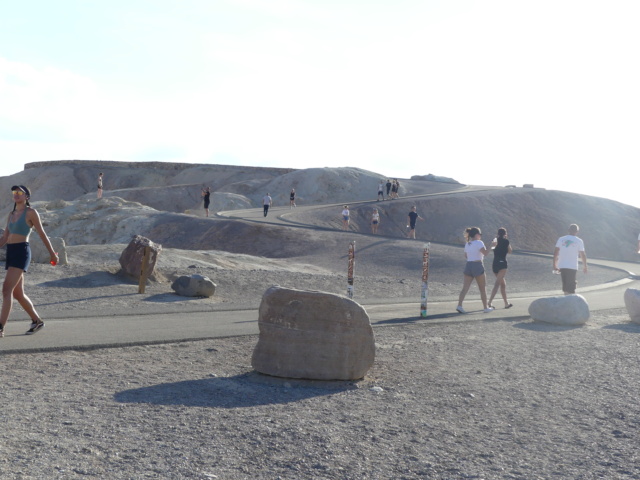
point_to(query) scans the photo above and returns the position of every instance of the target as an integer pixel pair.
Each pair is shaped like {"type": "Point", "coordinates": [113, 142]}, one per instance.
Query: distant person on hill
{"type": "Point", "coordinates": [474, 251]}
{"type": "Point", "coordinates": [411, 222]}
{"type": "Point", "coordinates": [375, 221]}
{"type": "Point", "coordinates": [638, 243]}
{"type": "Point", "coordinates": [501, 247]}
{"type": "Point", "coordinates": [345, 217]}
{"type": "Point", "coordinates": [397, 188]}
{"type": "Point", "coordinates": [266, 203]}
{"type": "Point", "coordinates": [16, 237]}
{"type": "Point", "coordinates": [206, 194]}
{"type": "Point", "coordinates": [388, 188]}
{"type": "Point", "coordinates": [100, 185]}
{"type": "Point", "coordinates": [394, 190]}
{"type": "Point", "coordinates": [380, 190]}
{"type": "Point", "coordinates": [292, 198]}
{"type": "Point", "coordinates": [565, 259]}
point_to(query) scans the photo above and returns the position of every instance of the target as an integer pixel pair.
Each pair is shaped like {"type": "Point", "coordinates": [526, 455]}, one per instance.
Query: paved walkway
{"type": "Point", "coordinates": [141, 329]}
{"type": "Point", "coordinates": [110, 331]}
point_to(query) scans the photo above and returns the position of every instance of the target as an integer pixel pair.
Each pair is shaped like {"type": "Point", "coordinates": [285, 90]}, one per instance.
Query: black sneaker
{"type": "Point", "coordinates": [35, 327]}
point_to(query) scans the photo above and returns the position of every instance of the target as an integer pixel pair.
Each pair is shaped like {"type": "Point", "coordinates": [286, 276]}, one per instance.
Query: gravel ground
{"type": "Point", "coordinates": [484, 400]}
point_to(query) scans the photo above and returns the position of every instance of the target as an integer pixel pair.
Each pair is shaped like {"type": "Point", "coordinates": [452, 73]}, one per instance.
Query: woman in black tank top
{"type": "Point", "coordinates": [501, 247]}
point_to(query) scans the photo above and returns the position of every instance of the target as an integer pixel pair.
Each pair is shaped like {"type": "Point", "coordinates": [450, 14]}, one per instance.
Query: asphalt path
{"type": "Point", "coordinates": [103, 331]}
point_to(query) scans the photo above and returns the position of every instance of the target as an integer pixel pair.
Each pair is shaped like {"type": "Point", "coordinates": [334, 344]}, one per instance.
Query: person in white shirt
{"type": "Point", "coordinates": [266, 203]}
{"type": "Point", "coordinates": [345, 217]}
{"type": "Point", "coordinates": [474, 251]}
{"type": "Point", "coordinates": [565, 259]}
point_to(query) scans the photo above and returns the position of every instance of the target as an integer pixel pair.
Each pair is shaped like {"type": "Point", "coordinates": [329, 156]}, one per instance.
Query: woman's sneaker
{"type": "Point", "coordinates": [35, 327]}
{"type": "Point", "coordinates": [459, 309]}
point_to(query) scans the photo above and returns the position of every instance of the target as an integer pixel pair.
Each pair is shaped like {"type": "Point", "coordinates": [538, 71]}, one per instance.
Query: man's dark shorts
{"type": "Point", "coordinates": [569, 282]}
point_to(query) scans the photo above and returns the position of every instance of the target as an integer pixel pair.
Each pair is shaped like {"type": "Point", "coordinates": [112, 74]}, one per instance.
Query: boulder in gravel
{"type": "Point", "coordinates": [194, 286]}
{"type": "Point", "coordinates": [560, 310]}
{"type": "Point", "coordinates": [632, 302]}
{"type": "Point", "coordinates": [39, 253]}
{"type": "Point", "coordinates": [131, 257]}
{"type": "Point", "coordinates": [312, 335]}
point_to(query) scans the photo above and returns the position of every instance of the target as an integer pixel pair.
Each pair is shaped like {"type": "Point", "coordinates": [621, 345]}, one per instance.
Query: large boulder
{"type": "Point", "coordinates": [131, 257]}
{"type": "Point", "coordinates": [561, 310]}
{"type": "Point", "coordinates": [632, 302]}
{"type": "Point", "coordinates": [39, 253]}
{"type": "Point", "coordinates": [312, 335]}
{"type": "Point", "coordinates": [194, 286]}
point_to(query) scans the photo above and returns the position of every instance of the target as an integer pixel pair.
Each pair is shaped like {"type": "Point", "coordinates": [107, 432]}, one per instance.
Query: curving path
{"type": "Point", "coordinates": [120, 330]}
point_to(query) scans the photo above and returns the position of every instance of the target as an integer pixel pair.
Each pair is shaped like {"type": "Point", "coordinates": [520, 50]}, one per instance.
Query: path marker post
{"type": "Point", "coordinates": [350, 268]}
{"type": "Point", "coordinates": [144, 273]}
{"type": "Point", "coordinates": [425, 280]}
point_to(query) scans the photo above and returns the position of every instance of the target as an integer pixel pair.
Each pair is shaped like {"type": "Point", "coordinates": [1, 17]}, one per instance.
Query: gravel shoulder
{"type": "Point", "coordinates": [487, 399]}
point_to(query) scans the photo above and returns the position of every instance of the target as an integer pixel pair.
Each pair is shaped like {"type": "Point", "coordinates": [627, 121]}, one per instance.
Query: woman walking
{"type": "Point", "coordinates": [375, 221]}
{"type": "Point", "coordinates": [474, 251]}
{"type": "Point", "coordinates": [501, 247]}
{"type": "Point", "coordinates": [292, 198]}
{"type": "Point", "coordinates": [16, 237]}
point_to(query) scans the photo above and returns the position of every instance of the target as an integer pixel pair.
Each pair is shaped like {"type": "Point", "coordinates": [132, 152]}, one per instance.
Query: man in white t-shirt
{"type": "Point", "coordinates": [565, 258]}
{"type": "Point", "coordinates": [266, 203]}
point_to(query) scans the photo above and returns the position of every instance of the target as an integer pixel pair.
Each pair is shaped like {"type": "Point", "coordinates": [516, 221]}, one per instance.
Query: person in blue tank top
{"type": "Point", "coordinates": [21, 221]}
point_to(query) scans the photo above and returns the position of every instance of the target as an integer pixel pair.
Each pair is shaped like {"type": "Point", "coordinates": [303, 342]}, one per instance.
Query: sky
{"type": "Point", "coordinates": [487, 92]}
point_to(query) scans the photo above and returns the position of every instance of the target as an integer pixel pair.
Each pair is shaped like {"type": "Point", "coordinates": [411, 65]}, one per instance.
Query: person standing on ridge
{"type": "Point", "coordinates": [100, 185]}
{"type": "Point", "coordinates": [345, 217]}
{"type": "Point", "coordinates": [565, 259]}
{"type": "Point", "coordinates": [206, 194]}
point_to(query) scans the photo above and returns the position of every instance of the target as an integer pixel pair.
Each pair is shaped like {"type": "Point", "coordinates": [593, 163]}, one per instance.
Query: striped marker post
{"type": "Point", "coordinates": [425, 280]}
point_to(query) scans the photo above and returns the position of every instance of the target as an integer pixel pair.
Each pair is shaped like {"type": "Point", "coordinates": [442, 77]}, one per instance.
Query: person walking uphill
{"type": "Point", "coordinates": [565, 259]}
{"type": "Point", "coordinates": [474, 251]}
{"type": "Point", "coordinates": [266, 203]}
{"type": "Point", "coordinates": [411, 222]}
{"type": "Point", "coordinates": [206, 194]}
{"type": "Point", "coordinates": [16, 237]}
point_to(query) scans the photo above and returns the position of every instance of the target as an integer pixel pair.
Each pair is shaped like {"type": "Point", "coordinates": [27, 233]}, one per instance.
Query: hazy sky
{"type": "Point", "coordinates": [487, 92]}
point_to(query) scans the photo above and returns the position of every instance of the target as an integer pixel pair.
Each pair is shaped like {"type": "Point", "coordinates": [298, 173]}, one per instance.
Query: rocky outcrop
{"type": "Point", "coordinates": [562, 310]}
{"type": "Point", "coordinates": [132, 257]}
{"type": "Point", "coordinates": [194, 286]}
{"type": "Point", "coordinates": [632, 302]}
{"type": "Point", "coordinates": [312, 335]}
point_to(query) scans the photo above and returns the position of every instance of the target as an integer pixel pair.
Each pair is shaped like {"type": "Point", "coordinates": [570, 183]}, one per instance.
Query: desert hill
{"type": "Point", "coordinates": [162, 201]}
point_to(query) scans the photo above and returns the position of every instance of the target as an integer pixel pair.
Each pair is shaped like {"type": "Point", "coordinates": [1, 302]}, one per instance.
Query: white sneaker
{"type": "Point", "coordinates": [490, 309]}
{"type": "Point", "coordinates": [459, 309]}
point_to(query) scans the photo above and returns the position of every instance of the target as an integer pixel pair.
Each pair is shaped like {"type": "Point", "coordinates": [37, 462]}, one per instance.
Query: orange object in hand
{"type": "Point", "coordinates": [53, 262]}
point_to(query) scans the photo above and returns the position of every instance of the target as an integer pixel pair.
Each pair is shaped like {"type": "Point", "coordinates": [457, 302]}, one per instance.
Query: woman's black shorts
{"type": "Point", "coordinates": [499, 265]}
{"type": "Point", "coordinates": [18, 256]}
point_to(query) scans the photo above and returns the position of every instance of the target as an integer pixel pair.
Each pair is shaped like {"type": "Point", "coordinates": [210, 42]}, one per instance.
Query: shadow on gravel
{"type": "Point", "coordinates": [169, 297]}
{"type": "Point", "coordinates": [240, 391]}
{"type": "Point", "coordinates": [546, 327]}
{"type": "Point", "coordinates": [90, 280]}
{"type": "Point", "coordinates": [625, 327]}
